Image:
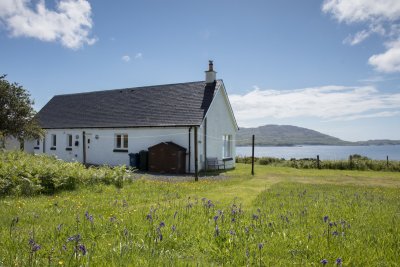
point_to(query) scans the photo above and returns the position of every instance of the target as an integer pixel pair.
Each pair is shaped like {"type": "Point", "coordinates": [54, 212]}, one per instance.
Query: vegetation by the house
{"type": "Point", "coordinates": [16, 112]}
{"type": "Point", "coordinates": [355, 162]}
{"type": "Point", "coordinates": [278, 217]}
{"type": "Point", "coordinates": [287, 135]}
{"type": "Point", "coordinates": [27, 174]}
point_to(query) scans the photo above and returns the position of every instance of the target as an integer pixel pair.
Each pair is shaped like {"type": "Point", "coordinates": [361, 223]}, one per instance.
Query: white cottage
{"type": "Point", "coordinates": [104, 127]}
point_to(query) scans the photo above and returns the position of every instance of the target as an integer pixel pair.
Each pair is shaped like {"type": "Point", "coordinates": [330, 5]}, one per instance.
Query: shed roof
{"type": "Point", "coordinates": [182, 104]}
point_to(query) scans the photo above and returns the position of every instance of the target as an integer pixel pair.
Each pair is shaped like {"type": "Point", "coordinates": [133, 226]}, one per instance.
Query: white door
{"type": "Point", "coordinates": [89, 143]}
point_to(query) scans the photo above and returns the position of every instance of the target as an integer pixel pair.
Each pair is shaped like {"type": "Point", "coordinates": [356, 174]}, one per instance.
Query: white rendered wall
{"type": "Point", "coordinates": [100, 151]}
{"type": "Point", "coordinates": [11, 143]}
{"type": "Point", "coordinates": [220, 122]}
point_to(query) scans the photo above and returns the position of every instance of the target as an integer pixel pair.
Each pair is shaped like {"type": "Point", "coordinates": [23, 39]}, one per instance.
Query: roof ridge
{"type": "Point", "coordinates": [131, 88]}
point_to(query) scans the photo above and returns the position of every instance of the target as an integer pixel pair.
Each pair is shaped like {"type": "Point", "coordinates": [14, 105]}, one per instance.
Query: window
{"type": "Point", "coordinates": [38, 142]}
{"type": "Point", "coordinates": [227, 146]}
{"type": "Point", "coordinates": [121, 141]}
{"type": "Point", "coordinates": [69, 140]}
{"type": "Point", "coordinates": [53, 140]}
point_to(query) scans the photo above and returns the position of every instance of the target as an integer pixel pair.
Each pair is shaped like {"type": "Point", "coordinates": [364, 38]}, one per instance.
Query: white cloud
{"type": "Point", "coordinates": [126, 58]}
{"type": "Point", "coordinates": [381, 16]}
{"type": "Point", "coordinates": [139, 56]}
{"type": "Point", "coordinates": [70, 24]}
{"type": "Point", "coordinates": [362, 10]}
{"type": "Point", "coordinates": [388, 61]}
{"type": "Point", "coordinates": [325, 103]}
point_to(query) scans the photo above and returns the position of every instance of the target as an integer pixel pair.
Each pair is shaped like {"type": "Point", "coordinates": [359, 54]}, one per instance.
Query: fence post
{"type": "Point", "coordinates": [252, 157]}
{"type": "Point", "coordinates": [318, 166]}
{"type": "Point", "coordinates": [387, 161]}
{"type": "Point", "coordinates": [351, 162]}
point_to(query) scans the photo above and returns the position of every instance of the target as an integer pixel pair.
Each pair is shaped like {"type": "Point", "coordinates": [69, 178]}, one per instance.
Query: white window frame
{"type": "Point", "coordinates": [123, 137]}
{"type": "Point", "coordinates": [69, 138]}
{"type": "Point", "coordinates": [53, 140]}
{"type": "Point", "coordinates": [226, 146]}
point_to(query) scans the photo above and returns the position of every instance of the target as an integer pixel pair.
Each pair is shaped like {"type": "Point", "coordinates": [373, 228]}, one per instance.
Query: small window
{"type": "Point", "coordinates": [227, 146]}
{"type": "Point", "coordinates": [121, 141]}
{"type": "Point", "coordinates": [53, 140]}
{"type": "Point", "coordinates": [38, 142]}
{"type": "Point", "coordinates": [69, 140]}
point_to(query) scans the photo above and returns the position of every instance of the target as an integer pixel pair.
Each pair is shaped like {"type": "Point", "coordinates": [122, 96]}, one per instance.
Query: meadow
{"type": "Point", "coordinates": [355, 162]}
{"type": "Point", "coordinates": [280, 216]}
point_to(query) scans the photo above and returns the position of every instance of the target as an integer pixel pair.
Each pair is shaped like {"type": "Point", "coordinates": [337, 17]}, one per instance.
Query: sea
{"type": "Point", "coordinates": [324, 152]}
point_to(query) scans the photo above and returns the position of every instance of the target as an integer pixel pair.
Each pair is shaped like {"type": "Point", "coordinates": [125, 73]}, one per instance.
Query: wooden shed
{"type": "Point", "coordinates": [167, 157]}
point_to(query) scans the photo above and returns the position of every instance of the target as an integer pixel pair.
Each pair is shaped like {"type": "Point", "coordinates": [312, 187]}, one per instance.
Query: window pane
{"type": "Point", "coordinates": [54, 141]}
{"type": "Point", "coordinates": [118, 141]}
{"type": "Point", "coordinates": [69, 140]}
{"type": "Point", "coordinates": [125, 141]}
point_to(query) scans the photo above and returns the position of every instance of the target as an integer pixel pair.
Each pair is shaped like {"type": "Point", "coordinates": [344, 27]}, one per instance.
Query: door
{"type": "Point", "coordinates": [89, 144]}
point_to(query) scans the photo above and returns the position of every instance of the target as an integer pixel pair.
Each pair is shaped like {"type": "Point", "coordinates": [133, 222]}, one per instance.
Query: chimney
{"type": "Point", "coordinates": [210, 74]}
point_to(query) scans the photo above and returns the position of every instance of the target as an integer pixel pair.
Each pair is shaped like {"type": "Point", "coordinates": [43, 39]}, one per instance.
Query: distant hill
{"type": "Point", "coordinates": [287, 135]}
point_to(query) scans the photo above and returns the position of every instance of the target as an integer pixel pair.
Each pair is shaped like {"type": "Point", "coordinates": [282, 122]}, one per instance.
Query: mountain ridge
{"type": "Point", "coordinates": [289, 135]}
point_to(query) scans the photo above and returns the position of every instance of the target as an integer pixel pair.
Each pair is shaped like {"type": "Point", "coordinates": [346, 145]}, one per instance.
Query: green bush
{"type": "Point", "coordinates": [355, 162]}
{"type": "Point", "coordinates": [26, 174]}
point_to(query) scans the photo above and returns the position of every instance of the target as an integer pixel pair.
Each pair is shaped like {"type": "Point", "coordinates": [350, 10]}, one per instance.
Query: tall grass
{"type": "Point", "coordinates": [355, 162]}
{"type": "Point", "coordinates": [157, 223]}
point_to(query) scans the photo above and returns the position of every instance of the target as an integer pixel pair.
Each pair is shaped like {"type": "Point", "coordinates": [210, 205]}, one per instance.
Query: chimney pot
{"type": "Point", "coordinates": [211, 75]}
{"type": "Point", "coordinates": [210, 65]}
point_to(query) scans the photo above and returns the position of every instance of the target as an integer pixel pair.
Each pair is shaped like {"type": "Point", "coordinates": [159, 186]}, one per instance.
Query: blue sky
{"type": "Point", "coordinates": [332, 66]}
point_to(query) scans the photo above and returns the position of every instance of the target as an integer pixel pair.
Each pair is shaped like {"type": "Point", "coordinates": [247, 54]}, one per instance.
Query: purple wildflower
{"type": "Point", "coordinates": [90, 218]}
{"type": "Point", "coordinates": [255, 217]}
{"type": "Point", "coordinates": [335, 233]}
{"type": "Point", "coordinates": [216, 218]}
{"type": "Point", "coordinates": [31, 241]}
{"type": "Point", "coordinates": [339, 261]}
{"type": "Point", "coordinates": [260, 246]}
{"type": "Point", "coordinates": [35, 247]}
{"type": "Point", "coordinates": [74, 238]}
{"type": "Point", "coordinates": [162, 224]}
{"type": "Point", "coordinates": [124, 203]}
{"type": "Point", "coordinates": [232, 232]}
{"type": "Point", "coordinates": [113, 219]}
{"type": "Point", "coordinates": [326, 218]}
{"type": "Point", "coordinates": [64, 247]}
{"type": "Point", "coordinates": [176, 212]}
{"type": "Point", "coordinates": [149, 217]}
{"type": "Point", "coordinates": [173, 228]}
{"type": "Point", "coordinates": [247, 253]}
{"type": "Point", "coordinates": [324, 261]}
{"type": "Point", "coordinates": [246, 229]}
{"type": "Point", "coordinates": [258, 210]}
{"type": "Point", "coordinates": [59, 227]}
{"type": "Point", "coordinates": [82, 248]}
{"type": "Point", "coordinates": [160, 236]}
{"type": "Point", "coordinates": [233, 220]}
{"type": "Point", "coordinates": [330, 224]}
{"type": "Point", "coordinates": [87, 215]}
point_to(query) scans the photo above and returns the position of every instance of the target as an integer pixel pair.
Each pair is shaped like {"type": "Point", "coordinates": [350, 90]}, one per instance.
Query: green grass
{"type": "Point", "coordinates": [281, 208]}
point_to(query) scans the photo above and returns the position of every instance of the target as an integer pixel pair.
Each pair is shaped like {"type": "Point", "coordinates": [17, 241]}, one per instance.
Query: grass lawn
{"type": "Point", "coordinates": [278, 217]}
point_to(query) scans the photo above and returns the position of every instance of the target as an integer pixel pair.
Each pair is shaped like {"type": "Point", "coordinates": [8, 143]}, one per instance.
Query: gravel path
{"type": "Point", "coordinates": [177, 177]}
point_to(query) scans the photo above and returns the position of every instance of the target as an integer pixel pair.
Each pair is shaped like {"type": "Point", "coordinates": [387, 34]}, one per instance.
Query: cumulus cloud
{"type": "Point", "coordinates": [388, 61]}
{"type": "Point", "coordinates": [70, 23]}
{"type": "Point", "coordinates": [382, 18]}
{"type": "Point", "coordinates": [126, 58]}
{"type": "Point", "coordinates": [324, 103]}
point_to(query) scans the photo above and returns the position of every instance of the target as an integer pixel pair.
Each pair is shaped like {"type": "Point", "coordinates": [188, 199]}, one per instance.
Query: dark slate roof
{"type": "Point", "coordinates": [182, 104]}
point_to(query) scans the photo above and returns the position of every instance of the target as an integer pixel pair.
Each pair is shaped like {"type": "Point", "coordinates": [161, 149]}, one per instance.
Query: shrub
{"type": "Point", "coordinates": [25, 174]}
